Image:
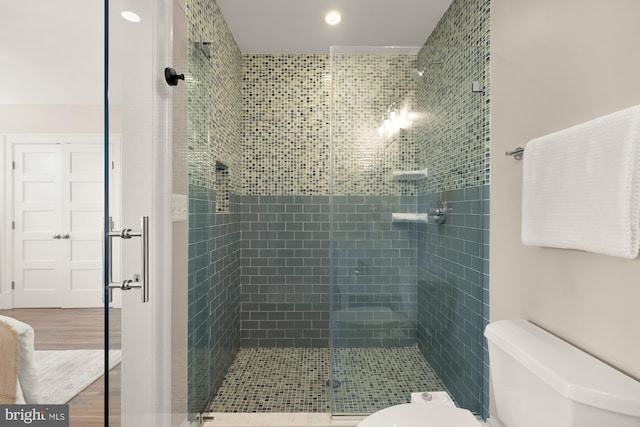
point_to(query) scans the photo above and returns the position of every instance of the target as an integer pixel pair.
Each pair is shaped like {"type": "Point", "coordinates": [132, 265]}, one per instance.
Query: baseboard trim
{"type": "Point", "coordinates": [6, 302]}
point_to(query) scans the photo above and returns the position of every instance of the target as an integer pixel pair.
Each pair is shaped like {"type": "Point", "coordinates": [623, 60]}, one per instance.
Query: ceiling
{"type": "Point", "coordinates": [51, 50]}
{"type": "Point", "coordinates": [297, 26]}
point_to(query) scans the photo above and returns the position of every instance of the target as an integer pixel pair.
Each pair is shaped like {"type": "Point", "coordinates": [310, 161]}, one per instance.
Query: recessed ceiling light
{"type": "Point", "coordinates": [332, 18]}
{"type": "Point", "coordinates": [130, 16]}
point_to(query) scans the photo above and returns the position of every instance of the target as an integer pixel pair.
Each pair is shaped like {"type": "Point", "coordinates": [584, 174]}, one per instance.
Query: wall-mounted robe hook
{"type": "Point", "coordinates": [172, 77]}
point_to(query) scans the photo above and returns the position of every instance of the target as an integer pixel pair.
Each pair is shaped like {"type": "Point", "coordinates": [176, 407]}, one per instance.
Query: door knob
{"type": "Point", "coordinates": [56, 236]}
{"type": "Point", "coordinates": [65, 236]}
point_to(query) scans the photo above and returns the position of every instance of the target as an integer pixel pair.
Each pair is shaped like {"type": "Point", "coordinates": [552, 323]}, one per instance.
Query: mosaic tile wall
{"type": "Point", "coordinates": [366, 87]}
{"type": "Point", "coordinates": [455, 118]}
{"type": "Point", "coordinates": [214, 139]}
{"type": "Point", "coordinates": [453, 258]}
{"type": "Point", "coordinates": [215, 101]}
{"type": "Point", "coordinates": [286, 125]}
{"type": "Point", "coordinates": [457, 129]}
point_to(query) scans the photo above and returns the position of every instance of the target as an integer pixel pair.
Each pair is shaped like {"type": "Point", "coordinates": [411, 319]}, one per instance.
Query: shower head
{"type": "Point", "coordinates": [419, 75]}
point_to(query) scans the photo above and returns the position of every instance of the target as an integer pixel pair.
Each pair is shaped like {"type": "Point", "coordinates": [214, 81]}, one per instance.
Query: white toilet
{"type": "Point", "coordinates": [539, 380]}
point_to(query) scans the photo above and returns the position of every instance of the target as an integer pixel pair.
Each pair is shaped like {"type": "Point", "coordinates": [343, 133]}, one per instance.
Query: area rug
{"type": "Point", "coordinates": [65, 373]}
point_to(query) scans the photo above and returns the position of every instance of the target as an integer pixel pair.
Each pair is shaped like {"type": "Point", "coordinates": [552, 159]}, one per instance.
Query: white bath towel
{"type": "Point", "coordinates": [581, 187]}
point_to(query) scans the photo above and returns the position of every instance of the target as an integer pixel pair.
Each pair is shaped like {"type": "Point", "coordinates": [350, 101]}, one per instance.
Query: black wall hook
{"type": "Point", "coordinates": [172, 77]}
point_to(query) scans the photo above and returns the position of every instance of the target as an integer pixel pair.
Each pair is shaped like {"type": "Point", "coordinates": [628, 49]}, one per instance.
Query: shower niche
{"type": "Point", "coordinates": [410, 176]}
{"type": "Point", "coordinates": [223, 183]}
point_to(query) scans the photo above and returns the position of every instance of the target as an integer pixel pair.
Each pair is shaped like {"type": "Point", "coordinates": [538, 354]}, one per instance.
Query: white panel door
{"type": "Point", "coordinates": [38, 248]}
{"type": "Point", "coordinates": [58, 209]}
{"type": "Point", "coordinates": [82, 212]}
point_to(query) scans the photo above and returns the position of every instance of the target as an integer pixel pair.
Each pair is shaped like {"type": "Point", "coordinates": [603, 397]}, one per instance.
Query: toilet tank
{"type": "Point", "coordinates": [540, 380]}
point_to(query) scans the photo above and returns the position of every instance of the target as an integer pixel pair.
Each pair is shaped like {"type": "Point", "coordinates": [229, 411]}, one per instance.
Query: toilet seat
{"type": "Point", "coordinates": [420, 415]}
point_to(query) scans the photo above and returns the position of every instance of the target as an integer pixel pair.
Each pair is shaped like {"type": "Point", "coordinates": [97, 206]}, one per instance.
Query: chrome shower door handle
{"type": "Point", "coordinates": [143, 283]}
{"type": "Point", "coordinates": [145, 258]}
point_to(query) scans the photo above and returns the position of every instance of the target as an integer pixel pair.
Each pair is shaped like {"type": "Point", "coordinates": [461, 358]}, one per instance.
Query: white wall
{"type": "Point", "coordinates": [54, 119]}
{"type": "Point", "coordinates": [556, 63]}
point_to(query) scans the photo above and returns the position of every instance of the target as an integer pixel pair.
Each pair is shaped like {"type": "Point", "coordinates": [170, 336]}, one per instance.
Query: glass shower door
{"type": "Point", "coordinates": [86, 104]}
{"type": "Point", "coordinates": [137, 224]}
{"type": "Point", "coordinates": [409, 142]}
{"type": "Point", "coordinates": [374, 312]}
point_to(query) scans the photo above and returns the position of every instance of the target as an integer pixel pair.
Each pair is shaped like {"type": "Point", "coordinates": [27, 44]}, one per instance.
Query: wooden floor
{"type": "Point", "coordinates": [83, 329]}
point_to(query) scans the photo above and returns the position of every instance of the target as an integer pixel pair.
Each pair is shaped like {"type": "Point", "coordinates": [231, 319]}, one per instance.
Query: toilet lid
{"type": "Point", "coordinates": [420, 415]}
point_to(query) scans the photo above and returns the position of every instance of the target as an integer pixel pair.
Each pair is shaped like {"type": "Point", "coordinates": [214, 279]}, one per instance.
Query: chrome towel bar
{"type": "Point", "coordinates": [517, 153]}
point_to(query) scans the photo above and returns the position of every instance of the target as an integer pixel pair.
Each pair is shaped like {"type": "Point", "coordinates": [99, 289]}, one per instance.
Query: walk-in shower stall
{"type": "Point", "coordinates": [338, 223]}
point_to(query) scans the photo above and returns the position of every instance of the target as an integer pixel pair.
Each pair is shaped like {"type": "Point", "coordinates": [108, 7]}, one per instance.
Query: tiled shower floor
{"type": "Point", "coordinates": [295, 380]}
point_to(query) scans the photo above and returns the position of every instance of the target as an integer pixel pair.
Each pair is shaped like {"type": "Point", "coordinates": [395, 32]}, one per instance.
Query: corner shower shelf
{"type": "Point", "coordinates": [409, 217]}
{"type": "Point", "coordinates": [409, 175]}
